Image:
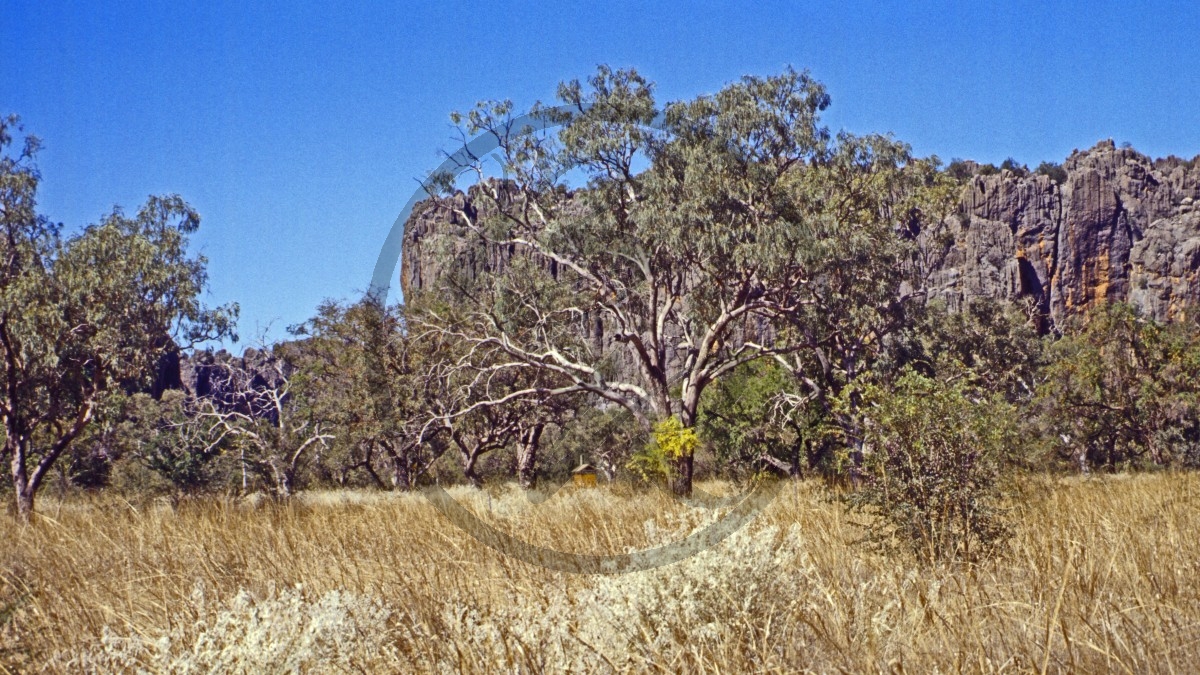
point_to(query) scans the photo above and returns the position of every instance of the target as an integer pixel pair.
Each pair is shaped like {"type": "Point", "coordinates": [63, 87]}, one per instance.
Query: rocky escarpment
{"type": "Point", "coordinates": [1121, 227]}
{"type": "Point", "coordinates": [1118, 227]}
{"type": "Point", "coordinates": [438, 247]}
{"type": "Point", "coordinates": [207, 374]}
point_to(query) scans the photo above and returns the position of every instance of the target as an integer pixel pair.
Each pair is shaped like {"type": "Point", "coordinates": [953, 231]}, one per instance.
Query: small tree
{"type": "Point", "coordinates": [960, 170]}
{"type": "Point", "coordinates": [992, 344]}
{"type": "Point", "coordinates": [931, 466]}
{"type": "Point", "coordinates": [171, 439]}
{"type": "Point", "coordinates": [754, 417]}
{"type": "Point", "coordinates": [477, 399]}
{"type": "Point", "coordinates": [367, 379]}
{"type": "Point", "coordinates": [85, 315]}
{"type": "Point", "coordinates": [1014, 166]}
{"type": "Point", "coordinates": [670, 441]}
{"type": "Point", "coordinates": [1053, 170]}
{"type": "Point", "coordinates": [479, 406]}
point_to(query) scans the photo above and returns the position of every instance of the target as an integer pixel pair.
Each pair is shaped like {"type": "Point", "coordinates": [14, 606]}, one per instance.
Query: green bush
{"type": "Point", "coordinates": [1121, 392]}
{"type": "Point", "coordinates": [1055, 171]}
{"type": "Point", "coordinates": [1014, 166]}
{"type": "Point", "coordinates": [959, 170]}
{"type": "Point", "coordinates": [931, 467]}
{"type": "Point", "coordinates": [744, 424]}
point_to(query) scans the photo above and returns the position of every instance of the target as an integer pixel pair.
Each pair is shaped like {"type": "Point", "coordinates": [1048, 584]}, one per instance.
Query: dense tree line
{"type": "Point", "coordinates": [86, 316]}
{"type": "Point", "coordinates": [946, 407]}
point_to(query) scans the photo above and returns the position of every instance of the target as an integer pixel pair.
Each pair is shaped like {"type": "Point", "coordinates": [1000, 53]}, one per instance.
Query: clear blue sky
{"type": "Point", "coordinates": [299, 133]}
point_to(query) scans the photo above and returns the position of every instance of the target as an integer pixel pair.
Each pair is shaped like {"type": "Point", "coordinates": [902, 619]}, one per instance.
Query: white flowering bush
{"type": "Point", "coordinates": [285, 632]}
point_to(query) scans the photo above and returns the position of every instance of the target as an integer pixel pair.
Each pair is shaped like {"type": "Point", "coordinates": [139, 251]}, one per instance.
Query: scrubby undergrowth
{"type": "Point", "coordinates": [1099, 575]}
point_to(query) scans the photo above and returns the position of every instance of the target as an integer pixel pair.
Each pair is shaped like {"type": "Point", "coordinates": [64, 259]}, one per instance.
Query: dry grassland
{"type": "Point", "coordinates": [1102, 575]}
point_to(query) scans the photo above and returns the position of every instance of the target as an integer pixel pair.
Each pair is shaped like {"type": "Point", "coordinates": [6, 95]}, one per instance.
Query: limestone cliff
{"type": "Point", "coordinates": [1120, 227]}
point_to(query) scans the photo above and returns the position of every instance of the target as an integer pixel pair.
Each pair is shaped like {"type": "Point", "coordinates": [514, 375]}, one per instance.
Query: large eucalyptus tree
{"type": "Point", "coordinates": [699, 237]}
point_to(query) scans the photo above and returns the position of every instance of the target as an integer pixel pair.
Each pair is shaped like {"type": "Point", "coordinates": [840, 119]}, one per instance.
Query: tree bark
{"type": "Point", "coordinates": [284, 486]}
{"type": "Point", "coordinates": [527, 451]}
{"type": "Point", "coordinates": [26, 483]}
{"type": "Point", "coordinates": [24, 486]}
{"type": "Point", "coordinates": [469, 471]}
{"type": "Point", "coordinates": [684, 466]}
{"type": "Point", "coordinates": [24, 505]}
{"type": "Point", "coordinates": [401, 476]}
{"type": "Point", "coordinates": [368, 465]}
{"type": "Point", "coordinates": [24, 489]}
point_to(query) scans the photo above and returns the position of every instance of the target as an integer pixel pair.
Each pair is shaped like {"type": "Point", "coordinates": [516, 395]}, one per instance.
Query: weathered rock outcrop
{"type": "Point", "coordinates": [1120, 227]}
{"type": "Point", "coordinates": [434, 240]}
{"type": "Point", "coordinates": [207, 373]}
{"type": "Point", "coordinates": [218, 375]}
{"type": "Point", "coordinates": [439, 247]}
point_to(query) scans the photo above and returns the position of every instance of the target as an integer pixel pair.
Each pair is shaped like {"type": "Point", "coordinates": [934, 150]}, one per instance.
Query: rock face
{"type": "Point", "coordinates": [438, 246]}
{"type": "Point", "coordinates": [206, 373]}
{"type": "Point", "coordinates": [434, 239]}
{"type": "Point", "coordinates": [217, 375]}
{"type": "Point", "coordinates": [1120, 227]}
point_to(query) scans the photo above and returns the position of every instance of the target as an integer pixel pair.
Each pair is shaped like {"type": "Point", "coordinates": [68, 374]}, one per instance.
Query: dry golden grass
{"type": "Point", "coordinates": [1102, 575]}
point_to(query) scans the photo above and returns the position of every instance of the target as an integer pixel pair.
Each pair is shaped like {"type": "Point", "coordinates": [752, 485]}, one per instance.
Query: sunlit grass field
{"type": "Point", "coordinates": [1102, 574]}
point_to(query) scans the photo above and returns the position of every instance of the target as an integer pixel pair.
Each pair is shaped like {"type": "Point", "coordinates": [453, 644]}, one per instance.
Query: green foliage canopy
{"type": "Point", "coordinates": [1122, 389]}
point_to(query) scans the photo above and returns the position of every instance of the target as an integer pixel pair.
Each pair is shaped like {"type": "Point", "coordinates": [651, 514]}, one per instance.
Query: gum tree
{"type": "Point", "coordinates": [710, 233]}
{"type": "Point", "coordinates": [366, 377]}
{"type": "Point", "coordinates": [482, 402]}
{"type": "Point", "coordinates": [84, 315]}
{"type": "Point", "coordinates": [269, 419]}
